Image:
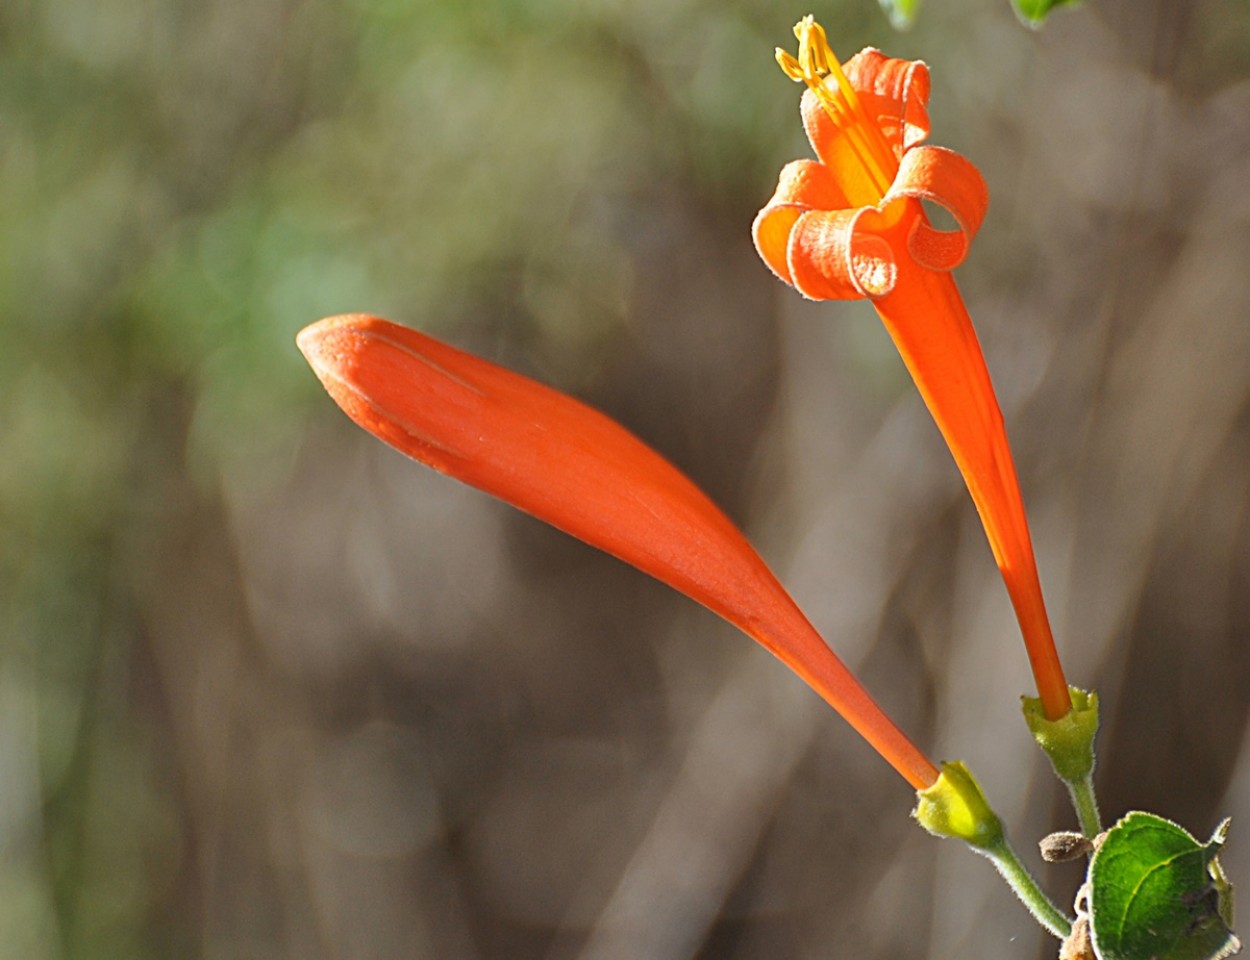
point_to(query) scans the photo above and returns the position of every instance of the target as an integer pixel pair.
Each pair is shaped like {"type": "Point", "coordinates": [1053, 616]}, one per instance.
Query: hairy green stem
{"type": "Point", "coordinates": [1026, 888]}
{"type": "Point", "coordinates": [1086, 805]}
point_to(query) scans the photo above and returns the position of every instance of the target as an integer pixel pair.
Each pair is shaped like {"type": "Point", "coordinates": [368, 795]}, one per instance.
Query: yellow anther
{"type": "Point", "coordinates": [814, 51]}
{"type": "Point", "coordinates": [789, 66]}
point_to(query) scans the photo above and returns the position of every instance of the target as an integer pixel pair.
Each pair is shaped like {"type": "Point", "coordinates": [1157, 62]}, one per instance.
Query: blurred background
{"type": "Point", "coordinates": [268, 690]}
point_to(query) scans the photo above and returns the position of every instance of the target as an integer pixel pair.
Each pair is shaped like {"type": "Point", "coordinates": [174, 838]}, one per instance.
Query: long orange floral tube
{"type": "Point", "coordinates": [851, 225]}
{"type": "Point", "coordinates": [556, 458]}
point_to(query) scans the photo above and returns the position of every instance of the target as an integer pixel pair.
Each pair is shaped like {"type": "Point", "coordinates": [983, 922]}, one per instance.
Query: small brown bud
{"type": "Point", "coordinates": [1064, 845]}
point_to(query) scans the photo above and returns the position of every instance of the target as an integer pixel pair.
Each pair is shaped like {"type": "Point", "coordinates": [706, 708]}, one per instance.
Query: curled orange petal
{"type": "Point", "coordinates": [841, 255]}
{"type": "Point", "coordinates": [895, 93]}
{"type": "Point", "coordinates": [803, 185]}
{"type": "Point", "coordinates": [556, 458]}
{"type": "Point", "coordinates": [826, 252]}
{"type": "Point", "coordinates": [943, 177]}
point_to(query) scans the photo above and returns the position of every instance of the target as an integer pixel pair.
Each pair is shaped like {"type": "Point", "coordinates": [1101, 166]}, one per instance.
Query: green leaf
{"type": "Point", "coordinates": [1156, 892]}
{"type": "Point", "coordinates": [902, 13]}
{"type": "Point", "coordinates": [1033, 12]}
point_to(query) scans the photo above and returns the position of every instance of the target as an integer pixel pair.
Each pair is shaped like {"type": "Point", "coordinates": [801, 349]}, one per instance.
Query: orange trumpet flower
{"type": "Point", "coordinates": [851, 225]}
{"type": "Point", "coordinates": [556, 458]}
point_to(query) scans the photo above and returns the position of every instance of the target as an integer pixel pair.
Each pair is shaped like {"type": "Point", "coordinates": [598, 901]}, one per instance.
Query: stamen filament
{"type": "Point", "coordinates": [815, 62]}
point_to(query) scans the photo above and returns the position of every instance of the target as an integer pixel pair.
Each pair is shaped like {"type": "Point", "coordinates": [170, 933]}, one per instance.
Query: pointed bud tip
{"type": "Point", "coordinates": [328, 343]}
{"type": "Point", "coordinates": [310, 340]}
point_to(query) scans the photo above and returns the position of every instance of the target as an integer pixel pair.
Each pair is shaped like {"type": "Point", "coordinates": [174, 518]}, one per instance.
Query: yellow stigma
{"type": "Point", "coordinates": [816, 62]}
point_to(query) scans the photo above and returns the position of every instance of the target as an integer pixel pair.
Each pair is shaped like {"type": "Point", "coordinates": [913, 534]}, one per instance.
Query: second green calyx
{"type": "Point", "coordinates": [1068, 741]}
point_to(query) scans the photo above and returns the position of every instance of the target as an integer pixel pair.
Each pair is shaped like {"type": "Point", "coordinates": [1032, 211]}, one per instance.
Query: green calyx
{"type": "Point", "coordinates": [1068, 741]}
{"type": "Point", "coordinates": [956, 807]}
